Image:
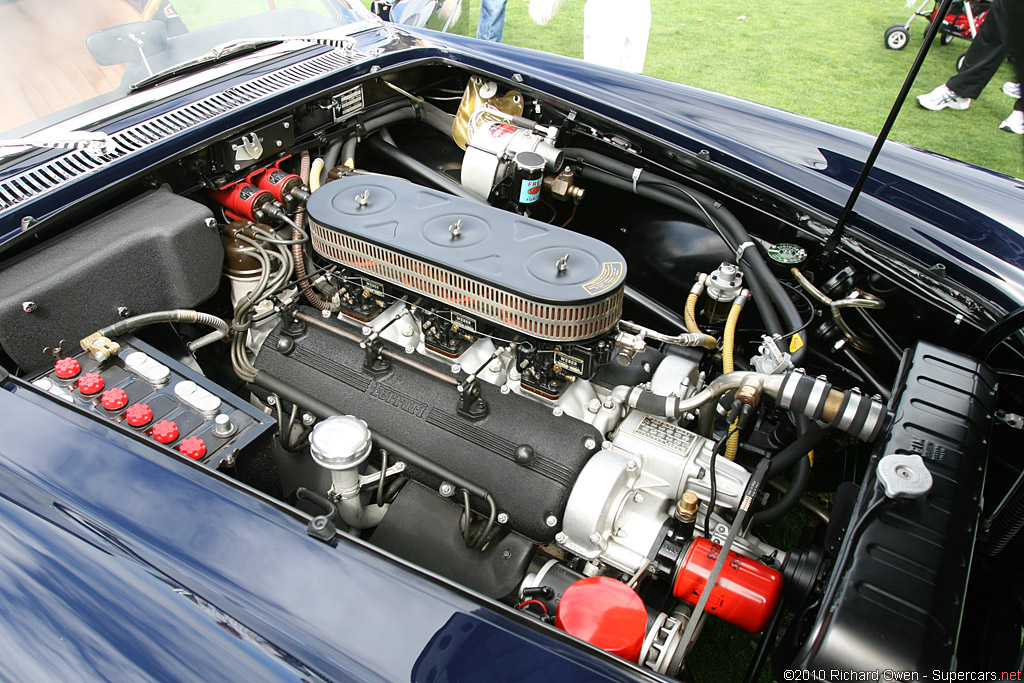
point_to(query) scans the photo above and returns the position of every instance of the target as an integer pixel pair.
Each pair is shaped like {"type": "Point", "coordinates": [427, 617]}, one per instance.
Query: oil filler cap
{"type": "Point", "coordinates": [340, 442]}
{"type": "Point", "coordinates": [904, 476]}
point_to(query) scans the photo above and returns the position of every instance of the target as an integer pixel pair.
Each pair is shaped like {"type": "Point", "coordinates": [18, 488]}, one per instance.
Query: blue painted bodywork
{"type": "Point", "coordinates": [120, 562]}
{"type": "Point", "coordinates": [117, 561]}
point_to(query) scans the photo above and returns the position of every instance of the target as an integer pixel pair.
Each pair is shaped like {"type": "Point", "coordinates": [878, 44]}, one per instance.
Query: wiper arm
{"type": "Point", "coordinates": [93, 142]}
{"type": "Point", "coordinates": [228, 51]}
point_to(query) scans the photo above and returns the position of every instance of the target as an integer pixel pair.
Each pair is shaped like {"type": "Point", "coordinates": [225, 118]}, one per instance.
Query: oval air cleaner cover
{"type": "Point", "coordinates": [539, 279]}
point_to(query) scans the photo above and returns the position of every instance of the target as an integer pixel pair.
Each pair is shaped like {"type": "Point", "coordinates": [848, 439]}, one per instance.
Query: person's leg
{"type": "Point", "coordinates": [492, 20]}
{"type": "Point", "coordinates": [984, 56]}
{"type": "Point", "coordinates": [638, 31]}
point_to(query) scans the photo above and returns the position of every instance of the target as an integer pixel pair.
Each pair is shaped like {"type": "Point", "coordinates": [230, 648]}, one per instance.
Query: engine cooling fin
{"type": "Point", "coordinates": [524, 275]}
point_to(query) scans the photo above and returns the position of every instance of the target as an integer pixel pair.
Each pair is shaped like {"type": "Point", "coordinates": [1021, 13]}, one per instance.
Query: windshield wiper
{"type": "Point", "coordinates": [93, 142]}
{"type": "Point", "coordinates": [231, 50]}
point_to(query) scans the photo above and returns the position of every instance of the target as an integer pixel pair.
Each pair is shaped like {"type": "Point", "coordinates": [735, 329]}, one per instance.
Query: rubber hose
{"type": "Point", "coordinates": [330, 160]}
{"type": "Point", "coordinates": [791, 498]}
{"type": "Point", "coordinates": [421, 171]}
{"type": "Point", "coordinates": [653, 307]}
{"type": "Point", "coordinates": [728, 347]}
{"type": "Point", "coordinates": [298, 253]}
{"type": "Point", "coordinates": [764, 304]}
{"type": "Point", "coordinates": [690, 315]}
{"type": "Point", "coordinates": [348, 152]}
{"type": "Point", "coordinates": [801, 446]}
{"type": "Point", "coordinates": [760, 275]}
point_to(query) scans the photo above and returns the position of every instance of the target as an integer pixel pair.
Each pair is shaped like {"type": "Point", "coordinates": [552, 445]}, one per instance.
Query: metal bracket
{"type": "Point", "coordinates": [367, 479]}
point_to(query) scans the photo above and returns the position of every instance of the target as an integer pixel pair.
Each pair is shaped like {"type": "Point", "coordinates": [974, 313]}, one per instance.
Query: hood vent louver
{"type": "Point", "coordinates": [77, 163]}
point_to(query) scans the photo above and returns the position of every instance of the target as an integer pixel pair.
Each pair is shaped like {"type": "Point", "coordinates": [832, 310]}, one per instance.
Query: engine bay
{"type": "Point", "coordinates": [554, 362]}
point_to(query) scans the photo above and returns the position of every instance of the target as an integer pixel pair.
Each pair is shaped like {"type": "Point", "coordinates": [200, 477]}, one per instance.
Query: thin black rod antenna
{"type": "Point", "coordinates": [929, 36]}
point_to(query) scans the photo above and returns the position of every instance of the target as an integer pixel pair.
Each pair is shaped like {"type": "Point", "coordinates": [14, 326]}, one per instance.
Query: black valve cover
{"type": "Point", "coordinates": [421, 412]}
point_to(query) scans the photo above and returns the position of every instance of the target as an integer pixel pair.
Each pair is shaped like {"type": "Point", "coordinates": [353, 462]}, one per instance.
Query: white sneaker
{"type": "Point", "coordinates": [1014, 123]}
{"type": "Point", "coordinates": [1012, 89]}
{"type": "Point", "coordinates": [943, 97]}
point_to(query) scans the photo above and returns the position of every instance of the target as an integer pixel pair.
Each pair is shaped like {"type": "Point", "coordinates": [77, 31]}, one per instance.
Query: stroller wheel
{"type": "Point", "coordinates": [960, 62]}
{"type": "Point", "coordinates": [946, 39]}
{"type": "Point", "coordinates": [896, 37]}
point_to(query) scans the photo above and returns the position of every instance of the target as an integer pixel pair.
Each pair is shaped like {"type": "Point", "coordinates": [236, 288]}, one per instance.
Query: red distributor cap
{"type": "Point", "coordinates": [606, 613]}
{"type": "Point", "coordinates": [138, 415]}
{"type": "Point", "coordinates": [90, 383]}
{"type": "Point", "coordinates": [114, 399]}
{"type": "Point", "coordinates": [66, 368]}
{"type": "Point", "coordinates": [165, 431]}
{"type": "Point", "coordinates": [193, 447]}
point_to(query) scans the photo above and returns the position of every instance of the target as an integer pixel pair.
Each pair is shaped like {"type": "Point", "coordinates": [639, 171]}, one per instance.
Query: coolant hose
{"type": "Point", "coordinates": [791, 498]}
{"type": "Point", "coordinates": [768, 292]}
{"type": "Point", "coordinates": [348, 152]}
{"type": "Point", "coordinates": [794, 456]}
{"type": "Point", "coordinates": [298, 253]}
{"type": "Point", "coordinates": [175, 316]}
{"type": "Point", "coordinates": [330, 160]}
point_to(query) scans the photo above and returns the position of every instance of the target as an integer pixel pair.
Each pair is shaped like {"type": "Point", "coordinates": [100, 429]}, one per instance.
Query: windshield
{"type": "Point", "coordinates": [65, 57]}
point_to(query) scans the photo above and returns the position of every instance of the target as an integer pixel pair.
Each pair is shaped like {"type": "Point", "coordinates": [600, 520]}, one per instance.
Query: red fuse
{"type": "Point", "coordinates": [746, 593]}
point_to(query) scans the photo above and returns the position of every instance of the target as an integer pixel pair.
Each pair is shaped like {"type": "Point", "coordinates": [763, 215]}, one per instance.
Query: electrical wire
{"type": "Point", "coordinates": [711, 468]}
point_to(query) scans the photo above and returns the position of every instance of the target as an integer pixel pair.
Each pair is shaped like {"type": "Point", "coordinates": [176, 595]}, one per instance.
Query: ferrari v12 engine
{"type": "Point", "coordinates": [472, 289]}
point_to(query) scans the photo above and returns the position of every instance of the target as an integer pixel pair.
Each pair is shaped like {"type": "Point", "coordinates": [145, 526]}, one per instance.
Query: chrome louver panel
{"type": "Point", "coordinates": [77, 163]}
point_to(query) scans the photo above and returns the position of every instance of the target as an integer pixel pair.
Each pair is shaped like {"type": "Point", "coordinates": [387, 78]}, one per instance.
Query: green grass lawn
{"type": "Point", "coordinates": [820, 59]}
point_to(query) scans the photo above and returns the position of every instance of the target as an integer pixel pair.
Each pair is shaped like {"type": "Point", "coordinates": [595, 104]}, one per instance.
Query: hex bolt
{"type": "Point", "coordinates": [123, 311]}
{"type": "Point", "coordinates": [505, 554]}
{"type": "Point", "coordinates": [308, 419]}
{"type": "Point", "coordinates": [557, 411]}
{"type": "Point", "coordinates": [631, 465]}
{"type": "Point", "coordinates": [595, 538]}
{"type": "Point", "coordinates": [561, 537]}
{"type": "Point", "coordinates": [551, 520]}
{"type": "Point", "coordinates": [502, 518]}
{"type": "Point", "coordinates": [28, 306]}
{"type": "Point", "coordinates": [447, 490]}
{"type": "Point", "coordinates": [456, 368]}
{"type": "Point", "coordinates": [638, 497]}
{"type": "Point", "coordinates": [272, 400]}
{"type": "Point", "coordinates": [590, 444]}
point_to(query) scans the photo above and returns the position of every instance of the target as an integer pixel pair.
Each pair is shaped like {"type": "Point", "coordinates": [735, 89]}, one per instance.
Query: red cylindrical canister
{"type": "Point", "coordinates": [746, 593]}
{"type": "Point", "coordinates": [242, 201]}
{"type": "Point", "coordinates": [276, 182]}
{"type": "Point", "coordinates": [606, 613]}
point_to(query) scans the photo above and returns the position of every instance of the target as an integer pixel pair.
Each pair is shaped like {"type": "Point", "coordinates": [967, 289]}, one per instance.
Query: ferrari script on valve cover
{"type": "Point", "coordinates": [333, 349]}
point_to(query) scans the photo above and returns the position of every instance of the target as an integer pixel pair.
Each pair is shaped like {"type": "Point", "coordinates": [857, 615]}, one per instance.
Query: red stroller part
{"type": "Point", "coordinates": [962, 21]}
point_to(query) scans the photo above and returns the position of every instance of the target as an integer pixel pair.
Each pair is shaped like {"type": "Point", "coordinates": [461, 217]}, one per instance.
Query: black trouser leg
{"type": "Point", "coordinates": [985, 55]}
